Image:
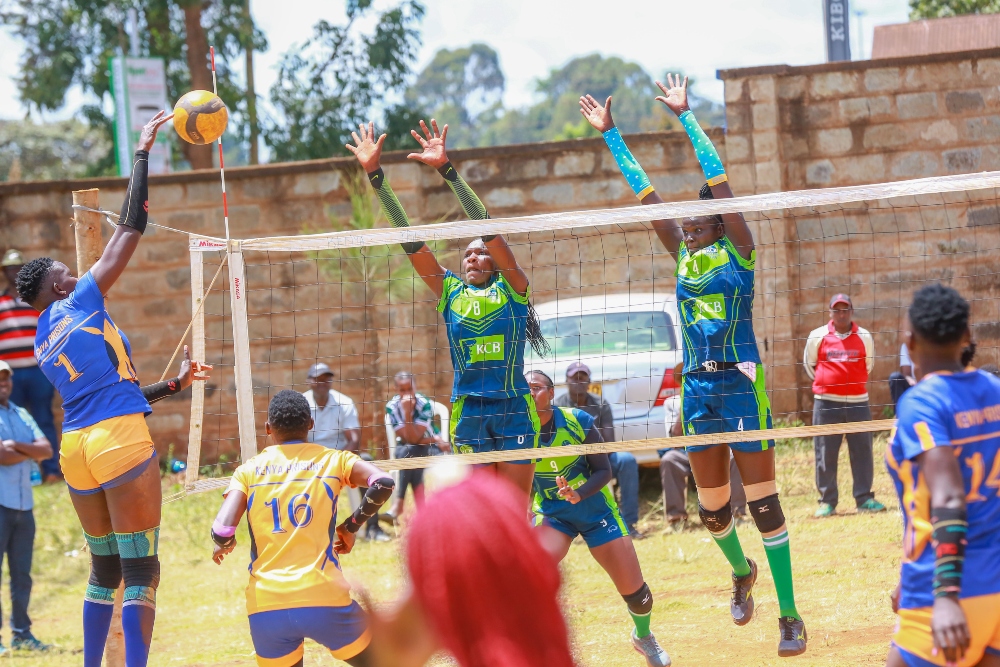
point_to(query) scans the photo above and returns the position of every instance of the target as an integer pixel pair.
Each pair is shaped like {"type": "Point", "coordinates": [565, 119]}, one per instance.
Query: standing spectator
{"type": "Point", "coordinates": [411, 415]}
{"type": "Point", "coordinates": [675, 468]}
{"type": "Point", "coordinates": [336, 425]}
{"type": "Point", "coordinates": [33, 391]}
{"type": "Point", "coordinates": [901, 380]}
{"type": "Point", "coordinates": [21, 442]}
{"type": "Point", "coordinates": [624, 467]}
{"type": "Point", "coordinates": [838, 357]}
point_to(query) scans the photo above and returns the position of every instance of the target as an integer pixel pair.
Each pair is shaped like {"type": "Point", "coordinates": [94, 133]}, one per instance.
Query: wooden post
{"type": "Point", "coordinates": [198, 353]}
{"type": "Point", "coordinates": [87, 228]}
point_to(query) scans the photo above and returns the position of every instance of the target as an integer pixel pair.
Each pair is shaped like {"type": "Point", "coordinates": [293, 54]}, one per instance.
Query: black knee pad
{"type": "Point", "coordinates": [143, 571]}
{"type": "Point", "coordinates": [640, 602]}
{"type": "Point", "coordinates": [105, 571]}
{"type": "Point", "coordinates": [717, 520]}
{"type": "Point", "coordinates": [767, 513]}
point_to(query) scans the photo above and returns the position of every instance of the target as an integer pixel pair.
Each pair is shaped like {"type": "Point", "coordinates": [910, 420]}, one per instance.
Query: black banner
{"type": "Point", "coordinates": [836, 21]}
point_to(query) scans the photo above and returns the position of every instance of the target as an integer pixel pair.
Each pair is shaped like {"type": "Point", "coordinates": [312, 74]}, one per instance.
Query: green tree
{"type": "Point", "coordinates": [50, 151]}
{"type": "Point", "coordinates": [69, 42]}
{"type": "Point", "coordinates": [932, 9]}
{"type": "Point", "coordinates": [337, 79]}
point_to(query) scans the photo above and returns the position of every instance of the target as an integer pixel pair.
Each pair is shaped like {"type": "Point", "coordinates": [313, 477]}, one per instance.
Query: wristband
{"type": "Point", "coordinates": [223, 535]}
{"type": "Point", "coordinates": [628, 165]}
{"type": "Point", "coordinates": [704, 149]}
{"type": "Point", "coordinates": [950, 526]}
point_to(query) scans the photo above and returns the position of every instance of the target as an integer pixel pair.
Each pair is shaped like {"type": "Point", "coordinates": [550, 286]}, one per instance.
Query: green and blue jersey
{"type": "Point", "coordinates": [715, 290]}
{"type": "Point", "coordinates": [486, 332]}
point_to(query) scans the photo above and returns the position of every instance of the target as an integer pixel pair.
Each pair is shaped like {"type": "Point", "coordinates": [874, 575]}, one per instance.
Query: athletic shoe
{"type": "Point", "coordinates": [634, 533]}
{"type": "Point", "coordinates": [741, 605]}
{"type": "Point", "coordinates": [793, 637]}
{"type": "Point", "coordinates": [27, 642]}
{"type": "Point", "coordinates": [871, 505]}
{"type": "Point", "coordinates": [676, 518]}
{"type": "Point", "coordinates": [388, 518]}
{"type": "Point", "coordinates": [650, 649]}
{"type": "Point", "coordinates": [378, 535]}
{"type": "Point", "coordinates": [4, 650]}
{"type": "Point", "coordinates": [825, 510]}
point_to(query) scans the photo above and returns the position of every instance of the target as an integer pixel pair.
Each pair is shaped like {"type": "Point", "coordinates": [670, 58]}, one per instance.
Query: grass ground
{"type": "Point", "coordinates": [844, 569]}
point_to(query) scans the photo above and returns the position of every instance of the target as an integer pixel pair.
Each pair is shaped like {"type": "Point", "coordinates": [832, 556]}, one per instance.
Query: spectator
{"type": "Point", "coordinates": [901, 380]}
{"type": "Point", "coordinates": [991, 368]}
{"type": "Point", "coordinates": [32, 390]}
{"type": "Point", "coordinates": [624, 467]}
{"type": "Point", "coordinates": [411, 415]}
{"type": "Point", "coordinates": [336, 425]}
{"type": "Point", "coordinates": [675, 468]}
{"type": "Point", "coordinates": [838, 357]}
{"type": "Point", "coordinates": [21, 442]}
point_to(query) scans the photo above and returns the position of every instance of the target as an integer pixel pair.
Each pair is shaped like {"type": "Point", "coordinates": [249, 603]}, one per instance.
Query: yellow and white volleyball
{"type": "Point", "coordinates": [200, 117]}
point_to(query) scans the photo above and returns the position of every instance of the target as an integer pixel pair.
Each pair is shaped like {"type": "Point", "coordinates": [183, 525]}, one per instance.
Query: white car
{"type": "Point", "coordinates": [631, 342]}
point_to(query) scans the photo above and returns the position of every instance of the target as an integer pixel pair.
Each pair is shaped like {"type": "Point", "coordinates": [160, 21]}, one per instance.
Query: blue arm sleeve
{"type": "Point", "coordinates": [629, 166]}
{"type": "Point", "coordinates": [708, 157]}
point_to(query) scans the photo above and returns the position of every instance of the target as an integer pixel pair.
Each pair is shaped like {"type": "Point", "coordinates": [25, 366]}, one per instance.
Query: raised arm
{"type": "Point", "coordinates": [434, 154]}
{"type": "Point", "coordinates": [135, 211]}
{"type": "Point", "coordinates": [368, 150]}
{"type": "Point", "coordinates": [668, 231]}
{"type": "Point", "coordinates": [676, 98]}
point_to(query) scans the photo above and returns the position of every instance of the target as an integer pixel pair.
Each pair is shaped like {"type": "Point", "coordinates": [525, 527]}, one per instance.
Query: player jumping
{"type": "Point", "coordinates": [723, 386]}
{"type": "Point", "coordinates": [488, 315]}
{"type": "Point", "coordinates": [572, 498]}
{"type": "Point", "coordinates": [944, 459]}
{"type": "Point", "coordinates": [107, 454]}
{"type": "Point", "coordinates": [289, 492]}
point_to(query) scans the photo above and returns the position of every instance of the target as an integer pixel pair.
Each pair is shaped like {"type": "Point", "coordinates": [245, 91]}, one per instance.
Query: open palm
{"type": "Point", "coordinates": [675, 94]}
{"type": "Point", "coordinates": [599, 116]}
{"type": "Point", "coordinates": [367, 149]}
{"type": "Point", "coordinates": [434, 153]}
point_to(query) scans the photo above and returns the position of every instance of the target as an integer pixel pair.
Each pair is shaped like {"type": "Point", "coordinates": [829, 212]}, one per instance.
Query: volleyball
{"type": "Point", "coordinates": [200, 117]}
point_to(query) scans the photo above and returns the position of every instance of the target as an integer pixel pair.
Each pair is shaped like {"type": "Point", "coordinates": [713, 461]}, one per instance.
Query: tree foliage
{"type": "Point", "coordinates": [50, 151]}
{"type": "Point", "coordinates": [932, 9]}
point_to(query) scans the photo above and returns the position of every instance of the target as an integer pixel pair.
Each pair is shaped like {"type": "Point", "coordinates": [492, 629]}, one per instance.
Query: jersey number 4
{"type": "Point", "coordinates": [299, 513]}
{"type": "Point", "coordinates": [978, 467]}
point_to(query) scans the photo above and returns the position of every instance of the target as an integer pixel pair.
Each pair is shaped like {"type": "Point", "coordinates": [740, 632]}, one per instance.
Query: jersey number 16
{"type": "Point", "coordinates": [299, 513]}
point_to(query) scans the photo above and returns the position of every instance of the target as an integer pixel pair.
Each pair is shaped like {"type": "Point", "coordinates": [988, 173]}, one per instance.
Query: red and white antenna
{"type": "Point", "coordinates": [222, 164]}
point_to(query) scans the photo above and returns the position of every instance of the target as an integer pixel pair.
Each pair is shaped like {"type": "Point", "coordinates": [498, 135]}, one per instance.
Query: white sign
{"type": "Point", "coordinates": [139, 86]}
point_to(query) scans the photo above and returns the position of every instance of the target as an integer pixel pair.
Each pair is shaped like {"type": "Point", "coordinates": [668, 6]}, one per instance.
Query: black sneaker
{"type": "Point", "coordinates": [27, 642]}
{"type": "Point", "coordinates": [388, 518]}
{"type": "Point", "coordinates": [793, 637]}
{"type": "Point", "coordinates": [741, 605]}
{"type": "Point", "coordinates": [635, 533]}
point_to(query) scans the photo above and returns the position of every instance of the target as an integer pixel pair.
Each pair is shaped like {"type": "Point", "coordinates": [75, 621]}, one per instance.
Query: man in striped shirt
{"type": "Point", "coordinates": [32, 390]}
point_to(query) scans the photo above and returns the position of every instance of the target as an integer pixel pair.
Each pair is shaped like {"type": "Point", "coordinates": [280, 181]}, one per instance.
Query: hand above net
{"type": "Point", "coordinates": [148, 136]}
{"type": "Point", "coordinates": [675, 94]}
{"type": "Point", "coordinates": [598, 116]}
{"type": "Point", "coordinates": [434, 153]}
{"type": "Point", "coordinates": [367, 149]}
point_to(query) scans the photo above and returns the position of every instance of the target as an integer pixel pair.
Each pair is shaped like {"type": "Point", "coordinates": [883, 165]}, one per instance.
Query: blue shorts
{"type": "Point", "coordinates": [278, 634]}
{"type": "Point", "coordinates": [724, 402]}
{"type": "Point", "coordinates": [596, 518]}
{"type": "Point", "coordinates": [494, 424]}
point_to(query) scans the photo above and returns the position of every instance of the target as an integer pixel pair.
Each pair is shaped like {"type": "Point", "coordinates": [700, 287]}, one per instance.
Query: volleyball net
{"type": "Point", "coordinates": [603, 286]}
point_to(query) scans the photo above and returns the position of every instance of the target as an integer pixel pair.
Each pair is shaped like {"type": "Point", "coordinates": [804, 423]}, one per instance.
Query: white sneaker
{"type": "Point", "coordinates": [650, 649]}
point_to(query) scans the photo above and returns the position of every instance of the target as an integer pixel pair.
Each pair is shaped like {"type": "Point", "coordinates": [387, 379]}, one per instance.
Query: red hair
{"type": "Point", "coordinates": [487, 586]}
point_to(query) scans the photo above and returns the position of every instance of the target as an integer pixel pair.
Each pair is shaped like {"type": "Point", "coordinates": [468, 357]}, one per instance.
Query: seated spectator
{"type": "Point", "coordinates": [675, 469]}
{"type": "Point", "coordinates": [624, 467]}
{"type": "Point", "coordinates": [411, 415]}
{"type": "Point", "coordinates": [21, 443]}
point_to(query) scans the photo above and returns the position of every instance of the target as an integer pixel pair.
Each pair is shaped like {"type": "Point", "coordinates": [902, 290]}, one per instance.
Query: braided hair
{"type": "Point", "coordinates": [939, 314]}
{"type": "Point", "coordinates": [30, 278]}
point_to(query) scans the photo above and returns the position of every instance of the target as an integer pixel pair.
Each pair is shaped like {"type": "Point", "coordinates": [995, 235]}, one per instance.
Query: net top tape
{"type": "Point", "coordinates": [799, 199]}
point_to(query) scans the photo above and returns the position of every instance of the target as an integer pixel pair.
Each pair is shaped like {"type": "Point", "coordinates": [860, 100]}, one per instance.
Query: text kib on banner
{"type": "Point", "coordinates": [139, 86]}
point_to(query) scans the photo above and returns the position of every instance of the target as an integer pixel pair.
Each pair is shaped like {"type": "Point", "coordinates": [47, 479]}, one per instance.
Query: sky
{"type": "Point", "coordinates": [535, 36]}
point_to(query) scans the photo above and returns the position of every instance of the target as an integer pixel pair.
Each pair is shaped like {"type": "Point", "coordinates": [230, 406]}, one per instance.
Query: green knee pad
{"type": "Point", "coordinates": [138, 545]}
{"type": "Point", "coordinates": [105, 545]}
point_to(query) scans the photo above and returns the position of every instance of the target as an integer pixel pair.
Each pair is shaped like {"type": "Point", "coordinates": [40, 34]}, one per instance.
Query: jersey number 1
{"type": "Point", "coordinates": [64, 362]}
{"type": "Point", "coordinates": [296, 507]}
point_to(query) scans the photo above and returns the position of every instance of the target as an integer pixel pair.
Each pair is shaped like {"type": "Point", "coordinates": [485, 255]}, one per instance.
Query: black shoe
{"type": "Point", "coordinates": [376, 534]}
{"type": "Point", "coordinates": [741, 605]}
{"type": "Point", "coordinates": [634, 533]}
{"type": "Point", "coordinates": [27, 642]}
{"type": "Point", "coordinates": [793, 637]}
{"type": "Point", "coordinates": [388, 518]}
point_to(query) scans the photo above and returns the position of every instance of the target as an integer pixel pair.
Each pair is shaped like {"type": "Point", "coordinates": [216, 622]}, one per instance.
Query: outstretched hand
{"type": "Point", "coordinates": [598, 116]}
{"type": "Point", "coordinates": [675, 94]}
{"type": "Point", "coordinates": [192, 370]}
{"type": "Point", "coordinates": [367, 149]}
{"type": "Point", "coordinates": [434, 153]}
{"type": "Point", "coordinates": [148, 135]}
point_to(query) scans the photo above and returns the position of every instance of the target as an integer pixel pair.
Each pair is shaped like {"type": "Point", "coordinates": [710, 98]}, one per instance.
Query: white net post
{"type": "Point", "coordinates": [198, 354]}
{"type": "Point", "coordinates": [241, 344]}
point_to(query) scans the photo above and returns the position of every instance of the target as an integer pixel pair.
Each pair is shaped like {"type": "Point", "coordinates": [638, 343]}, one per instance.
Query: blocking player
{"type": "Point", "coordinates": [488, 315]}
{"type": "Point", "coordinates": [944, 459]}
{"type": "Point", "coordinates": [289, 493]}
{"type": "Point", "coordinates": [571, 497]}
{"type": "Point", "coordinates": [107, 455]}
{"type": "Point", "coordinates": [723, 388]}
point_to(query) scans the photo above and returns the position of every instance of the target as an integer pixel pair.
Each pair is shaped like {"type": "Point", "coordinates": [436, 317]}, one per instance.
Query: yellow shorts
{"type": "Point", "coordinates": [915, 643]}
{"type": "Point", "coordinates": [107, 454]}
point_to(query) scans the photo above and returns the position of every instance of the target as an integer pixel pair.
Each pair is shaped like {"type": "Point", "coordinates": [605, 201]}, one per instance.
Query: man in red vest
{"type": "Point", "coordinates": [839, 356]}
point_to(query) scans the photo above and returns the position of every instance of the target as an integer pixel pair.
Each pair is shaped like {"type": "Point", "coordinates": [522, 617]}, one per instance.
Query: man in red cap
{"type": "Point", "coordinates": [839, 356]}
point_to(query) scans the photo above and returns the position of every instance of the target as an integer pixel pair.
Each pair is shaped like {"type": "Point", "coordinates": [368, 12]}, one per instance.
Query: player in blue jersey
{"type": "Point", "coordinates": [571, 497]}
{"type": "Point", "coordinates": [107, 454]}
{"type": "Point", "coordinates": [723, 386]}
{"type": "Point", "coordinates": [944, 459]}
{"type": "Point", "coordinates": [487, 315]}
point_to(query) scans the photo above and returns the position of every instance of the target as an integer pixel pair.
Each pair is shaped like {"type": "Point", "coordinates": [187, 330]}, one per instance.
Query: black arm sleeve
{"type": "Point", "coordinates": [391, 207]}
{"type": "Point", "coordinates": [376, 495]}
{"type": "Point", "coordinates": [600, 473]}
{"type": "Point", "coordinates": [471, 204]}
{"type": "Point", "coordinates": [135, 208]}
{"type": "Point", "coordinates": [160, 390]}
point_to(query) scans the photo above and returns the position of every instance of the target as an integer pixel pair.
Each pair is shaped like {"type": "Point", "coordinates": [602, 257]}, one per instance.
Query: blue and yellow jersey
{"type": "Point", "coordinates": [961, 411]}
{"type": "Point", "coordinates": [570, 428]}
{"type": "Point", "coordinates": [715, 289]}
{"type": "Point", "coordinates": [292, 492]}
{"type": "Point", "coordinates": [87, 358]}
{"type": "Point", "coordinates": [486, 331]}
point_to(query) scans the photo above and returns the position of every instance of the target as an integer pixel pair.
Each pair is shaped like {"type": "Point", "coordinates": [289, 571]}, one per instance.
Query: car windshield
{"type": "Point", "coordinates": [609, 333]}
